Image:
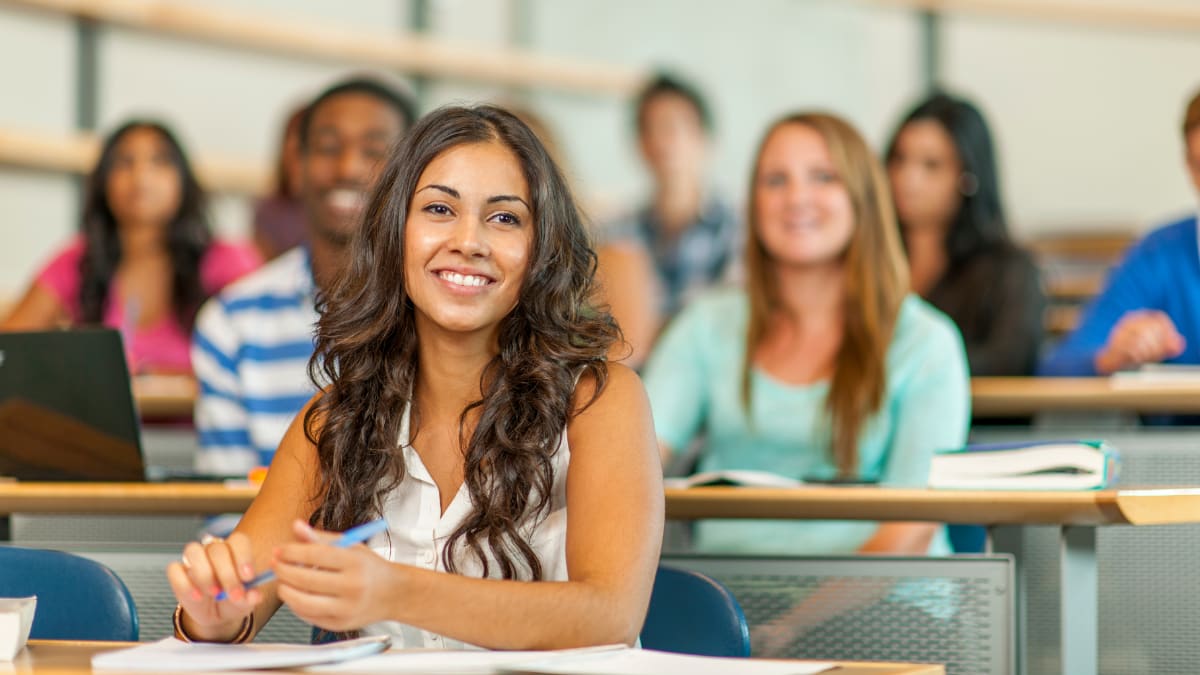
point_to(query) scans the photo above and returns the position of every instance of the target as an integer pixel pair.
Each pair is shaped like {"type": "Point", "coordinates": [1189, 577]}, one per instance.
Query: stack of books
{"type": "Point", "coordinates": [1044, 465]}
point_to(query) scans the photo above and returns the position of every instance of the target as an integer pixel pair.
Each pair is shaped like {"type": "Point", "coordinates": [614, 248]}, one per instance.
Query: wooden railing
{"type": "Point", "coordinates": [410, 54]}
{"type": "Point", "coordinates": [1128, 14]}
{"type": "Point", "coordinates": [76, 153]}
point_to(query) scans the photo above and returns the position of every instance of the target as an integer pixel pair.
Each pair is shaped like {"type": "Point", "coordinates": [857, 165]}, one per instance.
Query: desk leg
{"type": "Point", "coordinates": [1010, 539]}
{"type": "Point", "coordinates": [1080, 606]}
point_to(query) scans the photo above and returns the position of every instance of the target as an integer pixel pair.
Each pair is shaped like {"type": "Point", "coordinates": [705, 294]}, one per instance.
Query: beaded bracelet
{"type": "Point", "coordinates": [243, 635]}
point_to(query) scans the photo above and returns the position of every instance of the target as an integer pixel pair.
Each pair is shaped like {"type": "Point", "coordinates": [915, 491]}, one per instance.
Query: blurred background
{"type": "Point", "coordinates": [1084, 98]}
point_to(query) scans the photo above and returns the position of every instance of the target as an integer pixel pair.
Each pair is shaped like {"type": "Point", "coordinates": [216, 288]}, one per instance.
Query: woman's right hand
{"type": "Point", "coordinates": [202, 573]}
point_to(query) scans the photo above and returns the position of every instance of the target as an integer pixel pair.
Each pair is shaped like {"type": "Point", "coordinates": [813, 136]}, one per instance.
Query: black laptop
{"type": "Point", "coordinates": [66, 408]}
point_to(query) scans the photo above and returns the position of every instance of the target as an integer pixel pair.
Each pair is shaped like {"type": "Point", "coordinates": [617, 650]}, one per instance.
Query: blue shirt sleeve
{"type": "Point", "coordinates": [1133, 285]}
{"type": "Point", "coordinates": [677, 377]}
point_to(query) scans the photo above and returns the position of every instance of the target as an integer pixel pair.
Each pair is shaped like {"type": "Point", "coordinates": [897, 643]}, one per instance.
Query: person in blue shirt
{"type": "Point", "coordinates": [1149, 310]}
{"type": "Point", "coordinates": [826, 366]}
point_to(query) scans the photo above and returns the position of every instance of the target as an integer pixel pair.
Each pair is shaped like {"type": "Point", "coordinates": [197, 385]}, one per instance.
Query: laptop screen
{"type": "Point", "coordinates": [66, 409]}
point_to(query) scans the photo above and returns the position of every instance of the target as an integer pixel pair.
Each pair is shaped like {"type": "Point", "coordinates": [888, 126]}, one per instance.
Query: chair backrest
{"type": "Point", "coordinates": [693, 613]}
{"type": "Point", "coordinates": [967, 538]}
{"type": "Point", "coordinates": [78, 599]}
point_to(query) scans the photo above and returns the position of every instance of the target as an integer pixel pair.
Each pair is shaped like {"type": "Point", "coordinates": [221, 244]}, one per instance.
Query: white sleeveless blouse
{"type": "Point", "coordinates": [417, 534]}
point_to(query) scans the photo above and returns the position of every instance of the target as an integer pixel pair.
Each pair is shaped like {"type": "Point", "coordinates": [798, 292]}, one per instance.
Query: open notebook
{"type": "Point", "coordinates": [363, 656]}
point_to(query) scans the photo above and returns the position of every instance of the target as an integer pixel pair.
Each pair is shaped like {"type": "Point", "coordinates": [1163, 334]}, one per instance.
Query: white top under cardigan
{"type": "Point", "coordinates": [417, 533]}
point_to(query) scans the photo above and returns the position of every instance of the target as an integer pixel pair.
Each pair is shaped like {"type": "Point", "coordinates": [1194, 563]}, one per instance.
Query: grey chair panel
{"type": "Point", "coordinates": [956, 611]}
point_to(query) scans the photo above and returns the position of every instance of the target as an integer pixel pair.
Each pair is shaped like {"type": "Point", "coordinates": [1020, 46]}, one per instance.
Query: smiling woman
{"type": "Point", "coordinates": [470, 404]}
{"type": "Point", "coordinates": [825, 367]}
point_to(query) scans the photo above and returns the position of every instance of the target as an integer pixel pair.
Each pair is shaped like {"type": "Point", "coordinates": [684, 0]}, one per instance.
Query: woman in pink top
{"type": "Point", "coordinates": [146, 258]}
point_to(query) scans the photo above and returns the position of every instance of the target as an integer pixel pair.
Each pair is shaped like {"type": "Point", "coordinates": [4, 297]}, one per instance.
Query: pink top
{"type": "Point", "coordinates": [164, 345]}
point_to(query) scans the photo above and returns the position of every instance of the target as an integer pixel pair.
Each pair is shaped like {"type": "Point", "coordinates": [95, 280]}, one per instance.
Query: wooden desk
{"type": "Point", "coordinates": [1126, 506]}
{"type": "Point", "coordinates": [174, 396]}
{"type": "Point", "coordinates": [1075, 515]}
{"type": "Point", "coordinates": [53, 657]}
{"type": "Point", "coordinates": [124, 498]}
{"type": "Point", "coordinates": [165, 396]}
{"type": "Point", "coordinates": [1031, 395]}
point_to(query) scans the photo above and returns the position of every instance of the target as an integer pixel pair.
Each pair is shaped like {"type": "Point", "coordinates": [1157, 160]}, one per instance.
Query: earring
{"type": "Point", "coordinates": [968, 184]}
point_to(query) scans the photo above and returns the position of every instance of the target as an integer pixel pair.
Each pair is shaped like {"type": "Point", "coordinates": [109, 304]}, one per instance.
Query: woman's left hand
{"type": "Point", "coordinates": [336, 589]}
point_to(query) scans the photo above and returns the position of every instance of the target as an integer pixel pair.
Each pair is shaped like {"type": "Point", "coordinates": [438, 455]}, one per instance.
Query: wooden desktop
{"type": "Point", "coordinates": [54, 657]}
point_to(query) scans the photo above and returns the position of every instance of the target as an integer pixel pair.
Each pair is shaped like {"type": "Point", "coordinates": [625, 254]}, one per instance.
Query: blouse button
{"type": "Point", "coordinates": [428, 557]}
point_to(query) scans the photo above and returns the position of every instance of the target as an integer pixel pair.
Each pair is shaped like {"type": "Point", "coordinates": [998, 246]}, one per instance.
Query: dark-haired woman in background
{"type": "Point", "coordinates": [145, 259]}
{"type": "Point", "coordinates": [469, 404]}
{"type": "Point", "coordinates": [943, 176]}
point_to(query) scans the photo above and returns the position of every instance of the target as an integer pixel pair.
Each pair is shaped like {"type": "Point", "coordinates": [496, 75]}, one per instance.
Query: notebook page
{"type": "Point", "coordinates": [171, 655]}
{"type": "Point", "coordinates": [650, 662]}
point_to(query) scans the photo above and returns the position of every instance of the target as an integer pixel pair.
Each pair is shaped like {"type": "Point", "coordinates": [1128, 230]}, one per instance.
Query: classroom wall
{"type": "Point", "coordinates": [1085, 117]}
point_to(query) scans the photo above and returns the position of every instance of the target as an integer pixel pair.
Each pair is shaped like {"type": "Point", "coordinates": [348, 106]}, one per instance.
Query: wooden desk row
{"type": "Point", "coordinates": [1075, 515]}
{"type": "Point", "coordinates": [162, 397]}
{"type": "Point", "coordinates": [55, 657]}
{"type": "Point", "coordinates": [1031, 395]}
{"type": "Point", "coordinates": [1151, 506]}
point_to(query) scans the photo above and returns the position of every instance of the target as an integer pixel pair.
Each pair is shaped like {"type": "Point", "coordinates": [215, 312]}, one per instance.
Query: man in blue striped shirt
{"type": "Point", "coordinates": [252, 343]}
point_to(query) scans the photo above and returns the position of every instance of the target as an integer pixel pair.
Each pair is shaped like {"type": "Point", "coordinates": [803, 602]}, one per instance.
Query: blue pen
{"type": "Point", "coordinates": [355, 535]}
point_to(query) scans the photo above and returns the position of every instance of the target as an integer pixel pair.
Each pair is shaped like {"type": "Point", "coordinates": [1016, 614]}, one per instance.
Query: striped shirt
{"type": "Point", "coordinates": [250, 353]}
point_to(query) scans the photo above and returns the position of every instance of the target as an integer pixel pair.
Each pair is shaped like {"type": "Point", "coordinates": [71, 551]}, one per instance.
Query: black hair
{"type": "Point", "coordinates": [188, 233]}
{"type": "Point", "coordinates": [979, 223]}
{"type": "Point", "coordinates": [399, 101]}
{"type": "Point", "coordinates": [664, 84]}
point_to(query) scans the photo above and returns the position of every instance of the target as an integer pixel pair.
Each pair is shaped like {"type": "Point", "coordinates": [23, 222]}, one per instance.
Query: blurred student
{"type": "Point", "coordinates": [962, 260]}
{"type": "Point", "coordinates": [252, 343]}
{"type": "Point", "coordinates": [686, 238]}
{"type": "Point", "coordinates": [145, 258]}
{"type": "Point", "coordinates": [279, 217]}
{"type": "Point", "coordinates": [826, 367]}
{"type": "Point", "coordinates": [469, 403]}
{"type": "Point", "coordinates": [1149, 310]}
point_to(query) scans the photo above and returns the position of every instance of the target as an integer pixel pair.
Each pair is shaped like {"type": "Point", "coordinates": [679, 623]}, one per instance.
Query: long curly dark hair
{"type": "Point", "coordinates": [366, 352]}
{"type": "Point", "coordinates": [188, 234]}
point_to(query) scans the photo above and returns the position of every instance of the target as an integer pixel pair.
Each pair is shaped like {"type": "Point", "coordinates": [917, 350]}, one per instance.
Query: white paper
{"type": "Point", "coordinates": [16, 618]}
{"type": "Point", "coordinates": [451, 662]}
{"type": "Point", "coordinates": [650, 662]}
{"type": "Point", "coordinates": [171, 655]}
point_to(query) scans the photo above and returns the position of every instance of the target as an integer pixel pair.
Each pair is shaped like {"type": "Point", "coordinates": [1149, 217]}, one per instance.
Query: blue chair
{"type": "Point", "coordinates": [77, 598]}
{"type": "Point", "coordinates": [692, 613]}
{"type": "Point", "coordinates": [967, 538]}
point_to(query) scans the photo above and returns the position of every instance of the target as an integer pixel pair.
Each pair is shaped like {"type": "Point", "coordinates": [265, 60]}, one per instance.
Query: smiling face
{"type": "Point", "coordinates": [348, 138]}
{"type": "Point", "coordinates": [803, 214]}
{"type": "Point", "coordinates": [144, 186]}
{"type": "Point", "coordinates": [468, 239]}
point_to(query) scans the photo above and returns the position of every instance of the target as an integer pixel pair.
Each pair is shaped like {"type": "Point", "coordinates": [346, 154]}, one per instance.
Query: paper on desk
{"type": "Point", "coordinates": [461, 662]}
{"type": "Point", "coordinates": [171, 655]}
{"type": "Point", "coordinates": [612, 660]}
{"type": "Point", "coordinates": [16, 618]}
{"type": "Point", "coordinates": [650, 662]}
